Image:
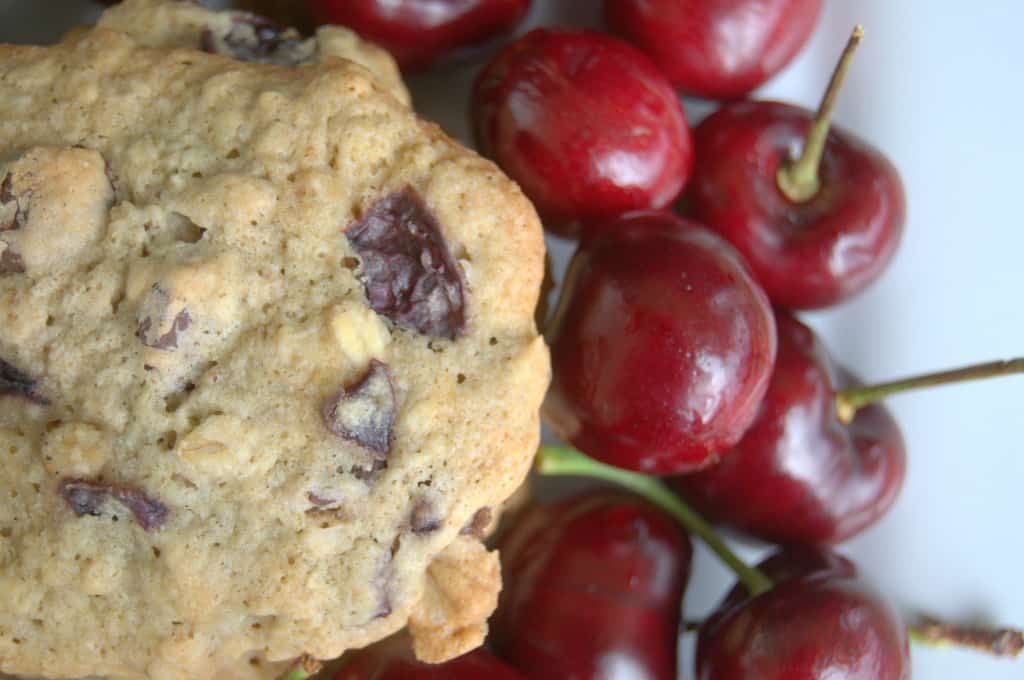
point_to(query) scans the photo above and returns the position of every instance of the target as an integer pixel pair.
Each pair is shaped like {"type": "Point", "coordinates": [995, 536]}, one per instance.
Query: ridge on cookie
{"type": "Point", "coordinates": [267, 364]}
{"type": "Point", "coordinates": [248, 37]}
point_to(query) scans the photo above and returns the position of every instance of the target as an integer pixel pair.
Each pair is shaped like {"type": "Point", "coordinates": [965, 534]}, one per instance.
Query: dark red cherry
{"type": "Point", "coordinates": [586, 125]}
{"type": "Point", "coordinates": [662, 346]}
{"type": "Point", "coordinates": [806, 255]}
{"type": "Point", "coordinates": [815, 229]}
{"type": "Point", "coordinates": [420, 32]}
{"type": "Point", "coordinates": [716, 48]}
{"type": "Point", "coordinates": [593, 590]}
{"type": "Point", "coordinates": [392, 659]}
{"type": "Point", "coordinates": [799, 475]}
{"type": "Point", "coordinates": [821, 621]}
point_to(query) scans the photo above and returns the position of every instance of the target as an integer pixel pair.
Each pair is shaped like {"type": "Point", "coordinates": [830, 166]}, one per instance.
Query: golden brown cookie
{"type": "Point", "coordinates": [266, 348]}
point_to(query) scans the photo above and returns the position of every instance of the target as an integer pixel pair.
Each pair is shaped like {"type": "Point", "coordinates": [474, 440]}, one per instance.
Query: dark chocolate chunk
{"type": "Point", "coordinates": [16, 383]}
{"type": "Point", "coordinates": [424, 519]}
{"type": "Point", "coordinates": [364, 412]}
{"type": "Point", "coordinates": [409, 274]}
{"type": "Point", "coordinates": [478, 523]}
{"type": "Point", "coordinates": [257, 39]}
{"type": "Point", "coordinates": [86, 497]}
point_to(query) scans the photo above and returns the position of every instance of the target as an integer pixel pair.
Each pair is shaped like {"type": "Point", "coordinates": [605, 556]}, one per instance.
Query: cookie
{"type": "Point", "coordinates": [247, 37]}
{"type": "Point", "coordinates": [267, 353]}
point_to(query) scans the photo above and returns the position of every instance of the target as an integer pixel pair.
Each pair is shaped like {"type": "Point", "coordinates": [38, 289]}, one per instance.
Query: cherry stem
{"type": "Point", "coordinates": [848, 401]}
{"type": "Point", "coordinates": [304, 667]}
{"type": "Point", "coordinates": [567, 461]}
{"type": "Point", "coordinates": [798, 180]}
{"type": "Point", "coordinates": [1001, 642]}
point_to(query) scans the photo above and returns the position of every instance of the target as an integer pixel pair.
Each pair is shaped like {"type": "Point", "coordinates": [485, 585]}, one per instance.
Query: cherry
{"type": "Point", "coordinates": [392, 659]}
{"type": "Point", "coordinates": [716, 48]}
{"type": "Point", "coordinates": [799, 475]}
{"type": "Point", "coordinates": [815, 230]}
{"type": "Point", "coordinates": [585, 123]}
{"type": "Point", "coordinates": [820, 621]}
{"type": "Point", "coordinates": [662, 346]}
{"type": "Point", "coordinates": [420, 32]}
{"type": "Point", "coordinates": [593, 589]}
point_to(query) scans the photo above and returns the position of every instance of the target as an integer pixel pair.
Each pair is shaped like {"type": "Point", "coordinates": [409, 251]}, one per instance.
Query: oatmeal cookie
{"type": "Point", "coordinates": [267, 350]}
{"type": "Point", "coordinates": [248, 37]}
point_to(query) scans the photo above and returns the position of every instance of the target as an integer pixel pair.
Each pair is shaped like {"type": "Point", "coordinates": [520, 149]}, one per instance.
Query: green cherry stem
{"type": "Point", "coordinates": [848, 401]}
{"type": "Point", "coordinates": [798, 180]}
{"type": "Point", "coordinates": [566, 461]}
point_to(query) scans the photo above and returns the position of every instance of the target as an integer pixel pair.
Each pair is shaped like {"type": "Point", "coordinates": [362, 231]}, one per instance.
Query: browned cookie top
{"type": "Point", "coordinates": [266, 350]}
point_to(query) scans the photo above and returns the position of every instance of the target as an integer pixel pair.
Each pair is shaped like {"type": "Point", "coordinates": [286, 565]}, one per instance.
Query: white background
{"type": "Point", "coordinates": [937, 86]}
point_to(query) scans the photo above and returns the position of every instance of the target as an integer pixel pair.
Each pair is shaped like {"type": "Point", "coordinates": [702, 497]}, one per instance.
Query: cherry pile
{"type": "Point", "coordinates": [680, 370]}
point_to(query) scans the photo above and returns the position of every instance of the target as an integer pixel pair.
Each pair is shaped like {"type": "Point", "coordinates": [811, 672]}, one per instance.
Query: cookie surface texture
{"type": "Point", "coordinates": [267, 351]}
{"type": "Point", "coordinates": [248, 37]}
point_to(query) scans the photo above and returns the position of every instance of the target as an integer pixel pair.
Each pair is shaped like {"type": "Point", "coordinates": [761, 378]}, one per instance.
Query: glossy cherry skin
{"type": "Point", "coordinates": [720, 49]}
{"type": "Point", "coordinates": [662, 346]}
{"type": "Point", "coordinates": [806, 255]}
{"type": "Point", "coordinates": [820, 622]}
{"type": "Point", "coordinates": [392, 659]}
{"type": "Point", "coordinates": [419, 33]}
{"type": "Point", "coordinates": [593, 590]}
{"type": "Point", "coordinates": [585, 123]}
{"type": "Point", "coordinates": [799, 475]}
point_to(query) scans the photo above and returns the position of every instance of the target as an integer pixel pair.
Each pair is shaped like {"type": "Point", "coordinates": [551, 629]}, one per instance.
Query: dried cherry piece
{"type": "Point", "coordinates": [369, 474]}
{"type": "Point", "coordinates": [364, 412]}
{"type": "Point", "coordinates": [86, 497]}
{"type": "Point", "coordinates": [424, 519]}
{"type": "Point", "coordinates": [478, 523]}
{"type": "Point", "coordinates": [13, 215]}
{"type": "Point", "coordinates": [16, 383]}
{"type": "Point", "coordinates": [168, 340]}
{"type": "Point", "coordinates": [257, 39]}
{"type": "Point", "coordinates": [408, 271]}
{"type": "Point", "coordinates": [11, 263]}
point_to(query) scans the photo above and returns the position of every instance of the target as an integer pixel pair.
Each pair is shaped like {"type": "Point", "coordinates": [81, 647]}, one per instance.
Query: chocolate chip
{"type": "Point", "coordinates": [410, 276]}
{"type": "Point", "coordinates": [257, 39]}
{"type": "Point", "coordinates": [16, 383]}
{"type": "Point", "coordinates": [423, 519]}
{"type": "Point", "coordinates": [365, 411]}
{"type": "Point", "coordinates": [151, 336]}
{"type": "Point", "coordinates": [478, 523]}
{"type": "Point", "coordinates": [86, 497]}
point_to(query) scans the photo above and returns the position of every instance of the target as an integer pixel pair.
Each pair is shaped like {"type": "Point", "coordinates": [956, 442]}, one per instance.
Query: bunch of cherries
{"type": "Point", "coordinates": [675, 349]}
